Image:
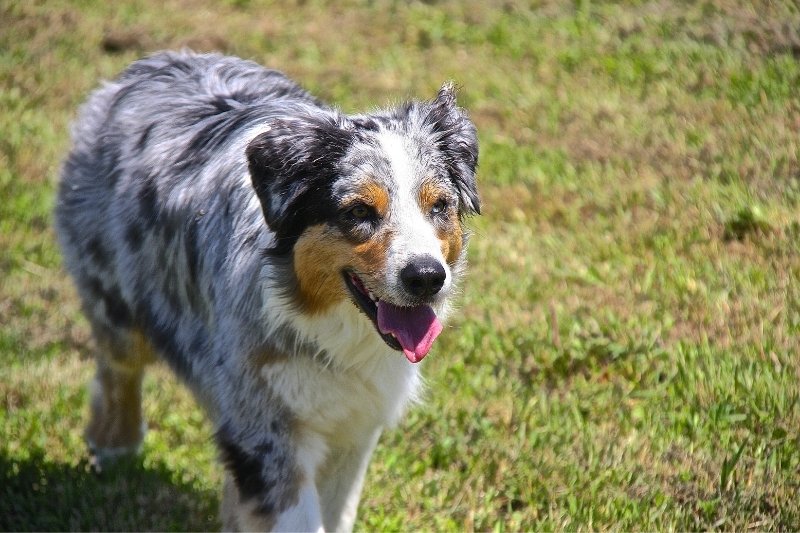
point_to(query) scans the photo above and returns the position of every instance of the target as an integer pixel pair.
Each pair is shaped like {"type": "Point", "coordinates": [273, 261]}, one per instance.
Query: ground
{"type": "Point", "coordinates": [626, 351]}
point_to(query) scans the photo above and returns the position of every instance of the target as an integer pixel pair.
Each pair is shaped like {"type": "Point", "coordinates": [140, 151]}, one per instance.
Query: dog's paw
{"type": "Point", "coordinates": [102, 457]}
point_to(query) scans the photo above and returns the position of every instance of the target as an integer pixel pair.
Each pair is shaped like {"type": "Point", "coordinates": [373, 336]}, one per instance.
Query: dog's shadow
{"type": "Point", "coordinates": [37, 494]}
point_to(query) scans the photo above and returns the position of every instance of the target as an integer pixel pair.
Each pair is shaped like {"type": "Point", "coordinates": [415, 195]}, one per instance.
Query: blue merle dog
{"type": "Point", "coordinates": [291, 264]}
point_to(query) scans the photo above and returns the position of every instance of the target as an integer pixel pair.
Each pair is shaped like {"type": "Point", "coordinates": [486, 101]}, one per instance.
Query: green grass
{"type": "Point", "coordinates": [626, 353]}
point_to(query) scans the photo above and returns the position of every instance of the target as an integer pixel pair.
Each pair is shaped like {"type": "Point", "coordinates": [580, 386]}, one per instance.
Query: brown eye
{"type": "Point", "coordinates": [360, 211]}
{"type": "Point", "coordinates": [439, 207]}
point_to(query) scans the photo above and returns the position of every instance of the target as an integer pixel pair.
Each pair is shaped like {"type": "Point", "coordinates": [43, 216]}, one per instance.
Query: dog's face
{"type": "Point", "coordinates": [370, 209]}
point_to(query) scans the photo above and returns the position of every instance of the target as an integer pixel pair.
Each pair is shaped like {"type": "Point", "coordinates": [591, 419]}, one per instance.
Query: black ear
{"type": "Point", "coordinates": [458, 140]}
{"type": "Point", "coordinates": [292, 165]}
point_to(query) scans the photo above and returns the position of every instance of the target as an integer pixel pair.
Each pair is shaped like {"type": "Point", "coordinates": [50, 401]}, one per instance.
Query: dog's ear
{"type": "Point", "coordinates": [457, 139]}
{"type": "Point", "coordinates": [291, 161]}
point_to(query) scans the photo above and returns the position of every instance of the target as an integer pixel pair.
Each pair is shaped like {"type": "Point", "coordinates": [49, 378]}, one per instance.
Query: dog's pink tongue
{"type": "Point", "coordinates": [414, 327]}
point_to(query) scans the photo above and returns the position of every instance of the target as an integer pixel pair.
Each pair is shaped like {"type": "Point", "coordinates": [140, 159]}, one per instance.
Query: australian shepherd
{"type": "Point", "coordinates": [292, 264]}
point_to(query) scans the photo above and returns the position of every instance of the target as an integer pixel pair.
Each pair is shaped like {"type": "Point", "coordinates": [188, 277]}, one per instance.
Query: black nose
{"type": "Point", "coordinates": [423, 277]}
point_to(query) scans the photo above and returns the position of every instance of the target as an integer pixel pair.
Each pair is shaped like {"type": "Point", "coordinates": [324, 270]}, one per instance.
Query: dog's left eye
{"type": "Point", "coordinates": [439, 207]}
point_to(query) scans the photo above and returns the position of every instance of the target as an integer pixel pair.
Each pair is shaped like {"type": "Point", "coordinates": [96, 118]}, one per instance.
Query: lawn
{"type": "Point", "coordinates": [626, 352]}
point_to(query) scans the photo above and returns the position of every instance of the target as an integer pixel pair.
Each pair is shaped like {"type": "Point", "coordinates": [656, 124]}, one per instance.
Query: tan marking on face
{"type": "Point", "coordinates": [322, 253]}
{"type": "Point", "coordinates": [451, 239]}
{"type": "Point", "coordinates": [369, 257]}
{"type": "Point", "coordinates": [429, 194]}
{"type": "Point", "coordinates": [450, 234]}
{"type": "Point", "coordinates": [378, 198]}
{"type": "Point", "coordinates": [370, 194]}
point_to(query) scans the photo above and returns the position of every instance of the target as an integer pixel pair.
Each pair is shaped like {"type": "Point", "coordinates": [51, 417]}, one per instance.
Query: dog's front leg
{"type": "Point", "coordinates": [269, 483]}
{"type": "Point", "coordinates": [341, 481]}
{"type": "Point", "coordinates": [245, 515]}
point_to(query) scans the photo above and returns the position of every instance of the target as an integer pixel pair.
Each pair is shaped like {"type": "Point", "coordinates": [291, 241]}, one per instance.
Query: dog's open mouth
{"type": "Point", "coordinates": [410, 329]}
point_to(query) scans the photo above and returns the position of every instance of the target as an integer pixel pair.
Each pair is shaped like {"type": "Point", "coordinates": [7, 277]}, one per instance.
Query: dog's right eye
{"type": "Point", "coordinates": [359, 220]}
{"type": "Point", "coordinates": [360, 211]}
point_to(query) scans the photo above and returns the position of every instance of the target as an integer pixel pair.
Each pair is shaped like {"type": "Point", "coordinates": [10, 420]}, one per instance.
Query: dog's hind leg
{"type": "Point", "coordinates": [116, 426]}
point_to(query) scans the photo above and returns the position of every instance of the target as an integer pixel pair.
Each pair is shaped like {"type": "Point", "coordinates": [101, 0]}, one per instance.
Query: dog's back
{"type": "Point", "coordinates": [148, 180]}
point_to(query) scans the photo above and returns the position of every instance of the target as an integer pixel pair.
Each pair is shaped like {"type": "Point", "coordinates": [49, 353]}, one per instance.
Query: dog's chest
{"type": "Point", "coordinates": [344, 406]}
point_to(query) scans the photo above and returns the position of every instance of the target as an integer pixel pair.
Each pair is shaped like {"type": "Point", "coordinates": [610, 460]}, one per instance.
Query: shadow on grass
{"type": "Point", "coordinates": [42, 495]}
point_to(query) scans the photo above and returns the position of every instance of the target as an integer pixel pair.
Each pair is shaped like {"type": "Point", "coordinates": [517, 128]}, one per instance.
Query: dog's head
{"type": "Point", "coordinates": [370, 208]}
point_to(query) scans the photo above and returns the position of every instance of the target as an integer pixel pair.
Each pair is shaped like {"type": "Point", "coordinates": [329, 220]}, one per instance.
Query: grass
{"type": "Point", "coordinates": [626, 352]}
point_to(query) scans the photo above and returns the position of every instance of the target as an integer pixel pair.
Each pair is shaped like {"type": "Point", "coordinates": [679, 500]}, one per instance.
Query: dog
{"type": "Point", "coordinates": [292, 265]}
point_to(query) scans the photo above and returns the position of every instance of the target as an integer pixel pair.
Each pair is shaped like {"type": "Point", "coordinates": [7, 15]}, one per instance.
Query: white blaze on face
{"type": "Point", "coordinates": [414, 234]}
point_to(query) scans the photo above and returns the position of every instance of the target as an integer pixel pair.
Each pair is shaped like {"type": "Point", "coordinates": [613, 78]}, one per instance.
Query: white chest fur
{"type": "Point", "coordinates": [354, 386]}
{"type": "Point", "coordinates": [344, 406]}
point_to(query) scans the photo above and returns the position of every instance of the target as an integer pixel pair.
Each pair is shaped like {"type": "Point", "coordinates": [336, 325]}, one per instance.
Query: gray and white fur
{"type": "Point", "coordinates": [214, 214]}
